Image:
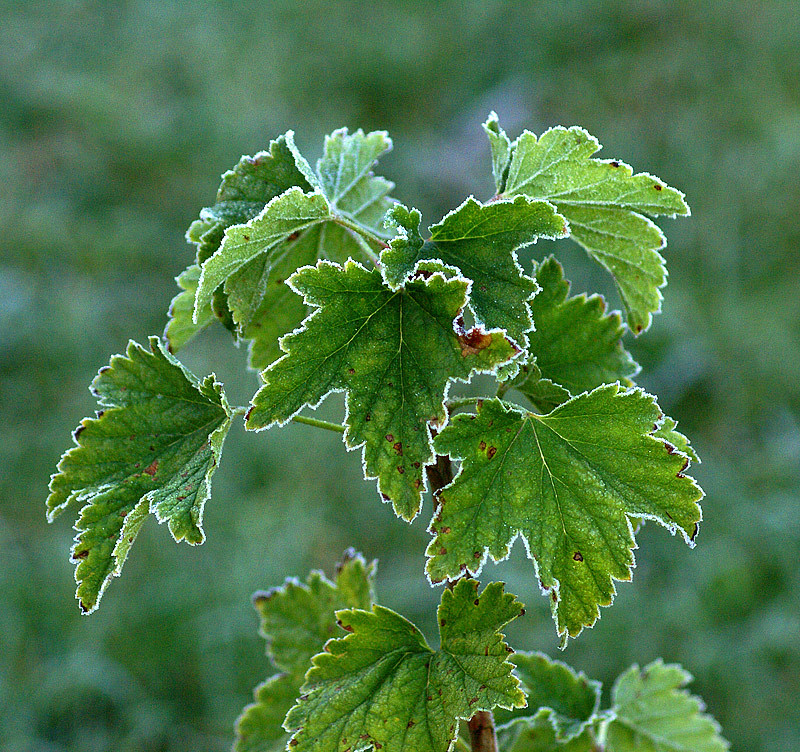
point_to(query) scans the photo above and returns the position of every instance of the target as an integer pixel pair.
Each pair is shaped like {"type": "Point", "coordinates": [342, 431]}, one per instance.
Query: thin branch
{"type": "Point", "coordinates": [319, 423]}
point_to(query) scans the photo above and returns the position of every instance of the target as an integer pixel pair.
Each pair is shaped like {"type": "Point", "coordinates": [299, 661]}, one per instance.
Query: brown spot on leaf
{"type": "Point", "coordinates": [553, 596]}
{"type": "Point", "coordinates": [442, 551]}
{"type": "Point", "coordinates": [410, 723]}
{"type": "Point", "coordinates": [351, 371]}
{"type": "Point", "coordinates": [445, 529]}
{"type": "Point", "coordinates": [473, 700]}
{"type": "Point", "coordinates": [577, 556]}
{"type": "Point", "coordinates": [477, 601]}
{"type": "Point", "coordinates": [389, 437]}
{"type": "Point", "coordinates": [398, 447]}
{"type": "Point", "coordinates": [417, 483]}
{"type": "Point", "coordinates": [477, 555]}
{"type": "Point", "coordinates": [246, 238]}
{"type": "Point", "coordinates": [482, 446]}
{"type": "Point", "coordinates": [293, 742]}
{"type": "Point", "coordinates": [152, 468]}
{"type": "Point", "coordinates": [658, 187]}
{"type": "Point", "coordinates": [80, 554]}
{"type": "Point", "coordinates": [400, 469]}
{"type": "Point", "coordinates": [442, 623]}
{"type": "Point", "coordinates": [294, 235]}
{"type": "Point", "coordinates": [367, 417]}
{"type": "Point", "coordinates": [614, 163]}
{"type": "Point", "coordinates": [416, 464]}
{"type": "Point", "coordinates": [491, 452]}
{"type": "Point", "coordinates": [473, 341]}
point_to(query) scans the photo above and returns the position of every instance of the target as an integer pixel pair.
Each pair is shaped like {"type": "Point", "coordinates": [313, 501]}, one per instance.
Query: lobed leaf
{"type": "Point", "coordinates": [576, 345]}
{"type": "Point", "coordinates": [297, 620]}
{"type": "Point", "coordinates": [394, 352]}
{"type": "Point", "coordinates": [569, 483]}
{"type": "Point", "coordinates": [181, 326]}
{"type": "Point", "coordinates": [383, 687]}
{"type": "Point", "coordinates": [604, 203]}
{"type": "Point", "coordinates": [152, 449]}
{"type": "Point", "coordinates": [536, 734]}
{"type": "Point", "coordinates": [655, 714]}
{"type": "Point", "coordinates": [481, 241]}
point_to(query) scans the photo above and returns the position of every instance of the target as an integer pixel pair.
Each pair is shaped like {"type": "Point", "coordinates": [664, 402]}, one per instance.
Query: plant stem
{"type": "Point", "coordinates": [481, 725]}
{"type": "Point", "coordinates": [457, 402]}
{"type": "Point", "coordinates": [481, 732]}
{"type": "Point", "coordinates": [319, 423]}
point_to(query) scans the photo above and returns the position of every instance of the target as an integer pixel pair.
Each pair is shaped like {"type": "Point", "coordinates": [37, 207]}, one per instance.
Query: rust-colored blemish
{"type": "Point", "coordinates": [577, 556]}
{"type": "Point", "coordinates": [152, 468]}
{"type": "Point", "coordinates": [473, 341]}
{"type": "Point", "coordinates": [491, 452]}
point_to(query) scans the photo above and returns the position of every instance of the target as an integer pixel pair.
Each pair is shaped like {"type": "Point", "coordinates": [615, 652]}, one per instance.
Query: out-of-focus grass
{"type": "Point", "coordinates": [117, 119]}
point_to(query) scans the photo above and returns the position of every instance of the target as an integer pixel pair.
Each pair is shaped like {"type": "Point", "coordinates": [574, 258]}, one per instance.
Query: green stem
{"type": "Point", "coordinates": [502, 388]}
{"type": "Point", "coordinates": [362, 230]}
{"type": "Point", "coordinates": [454, 404]}
{"type": "Point", "coordinates": [328, 426]}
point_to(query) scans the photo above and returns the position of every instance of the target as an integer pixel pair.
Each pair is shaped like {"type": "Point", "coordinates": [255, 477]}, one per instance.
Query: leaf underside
{"type": "Point", "coordinates": [394, 352]}
{"type": "Point", "coordinates": [569, 483]}
{"type": "Point", "coordinates": [152, 449]}
{"type": "Point", "coordinates": [383, 687]}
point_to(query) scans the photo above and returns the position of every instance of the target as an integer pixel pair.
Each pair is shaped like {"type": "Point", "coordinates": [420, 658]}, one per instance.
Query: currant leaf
{"type": "Point", "coordinates": [605, 205]}
{"type": "Point", "coordinates": [394, 352]}
{"type": "Point", "coordinates": [152, 449]}
{"type": "Point", "coordinates": [567, 700]}
{"type": "Point", "coordinates": [654, 713]}
{"type": "Point", "coordinates": [480, 240]}
{"type": "Point", "coordinates": [536, 734]}
{"type": "Point", "coordinates": [576, 345]}
{"type": "Point", "coordinates": [297, 620]}
{"type": "Point", "coordinates": [383, 687]}
{"type": "Point", "coordinates": [569, 483]}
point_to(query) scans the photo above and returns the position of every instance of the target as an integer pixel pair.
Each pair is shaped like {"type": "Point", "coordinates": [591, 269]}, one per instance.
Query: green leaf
{"type": "Point", "coordinates": [393, 351]}
{"type": "Point", "coordinates": [480, 240]}
{"type": "Point", "coordinates": [667, 431]}
{"type": "Point", "coordinates": [297, 620]}
{"type": "Point", "coordinates": [335, 213]}
{"type": "Point", "coordinates": [152, 449]}
{"type": "Point", "coordinates": [501, 149]}
{"type": "Point", "coordinates": [569, 483]}
{"type": "Point", "coordinates": [655, 714]}
{"type": "Point", "coordinates": [292, 212]}
{"type": "Point", "coordinates": [544, 394]}
{"type": "Point", "coordinates": [576, 345]}
{"type": "Point", "coordinates": [536, 734]}
{"type": "Point", "coordinates": [567, 700]}
{"type": "Point", "coordinates": [383, 687]}
{"type": "Point", "coordinates": [605, 204]}
{"type": "Point", "coordinates": [181, 326]}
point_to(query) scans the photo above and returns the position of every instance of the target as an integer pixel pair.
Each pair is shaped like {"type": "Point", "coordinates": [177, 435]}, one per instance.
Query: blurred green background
{"type": "Point", "coordinates": [116, 119]}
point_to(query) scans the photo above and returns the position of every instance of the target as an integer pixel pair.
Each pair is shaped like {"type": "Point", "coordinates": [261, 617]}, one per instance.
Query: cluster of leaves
{"type": "Point", "coordinates": [336, 289]}
{"type": "Point", "coordinates": [382, 686]}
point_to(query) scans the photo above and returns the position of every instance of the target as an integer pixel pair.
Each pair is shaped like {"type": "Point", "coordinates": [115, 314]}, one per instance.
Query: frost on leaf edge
{"type": "Point", "coordinates": [440, 273]}
{"type": "Point", "coordinates": [142, 509]}
{"type": "Point", "coordinates": [690, 541]}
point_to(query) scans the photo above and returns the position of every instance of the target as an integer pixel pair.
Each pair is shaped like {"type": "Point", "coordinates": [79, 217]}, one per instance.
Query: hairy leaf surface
{"type": "Point", "coordinates": [569, 483]}
{"type": "Point", "coordinates": [393, 352]}
{"type": "Point", "coordinates": [297, 620]}
{"type": "Point", "coordinates": [536, 734]}
{"type": "Point", "coordinates": [654, 713]}
{"type": "Point", "coordinates": [152, 449]}
{"type": "Point", "coordinates": [382, 686]}
{"type": "Point", "coordinates": [567, 700]}
{"type": "Point", "coordinates": [480, 240]}
{"type": "Point", "coordinates": [604, 203]}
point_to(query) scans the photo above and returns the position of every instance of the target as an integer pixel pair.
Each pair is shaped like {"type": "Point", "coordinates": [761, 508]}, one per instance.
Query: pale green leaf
{"type": "Point", "coordinates": [297, 620]}
{"type": "Point", "coordinates": [654, 713]}
{"type": "Point", "coordinates": [181, 326]}
{"type": "Point", "coordinates": [393, 351]}
{"type": "Point", "coordinates": [383, 687]}
{"type": "Point", "coordinates": [569, 483]}
{"type": "Point", "coordinates": [334, 213]}
{"type": "Point", "coordinates": [545, 395]}
{"type": "Point", "coordinates": [480, 240]}
{"type": "Point", "coordinates": [576, 345]}
{"type": "Point", "coordinates": [292, 212]}
{"type": "Point", "coordinates": [605, 204]}
{"type": "Point", "coordinates": [500, 146]}
{"type": "Point", "coordinates": [153, 448]}
{"type": "Point", "coordinates": [567, 700]}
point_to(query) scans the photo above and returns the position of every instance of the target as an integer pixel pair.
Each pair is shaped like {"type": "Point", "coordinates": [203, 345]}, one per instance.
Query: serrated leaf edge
{"type": "Point", "coordinates": [555, 588]}
{"type": "Point", "coordinates": [345, 437]}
